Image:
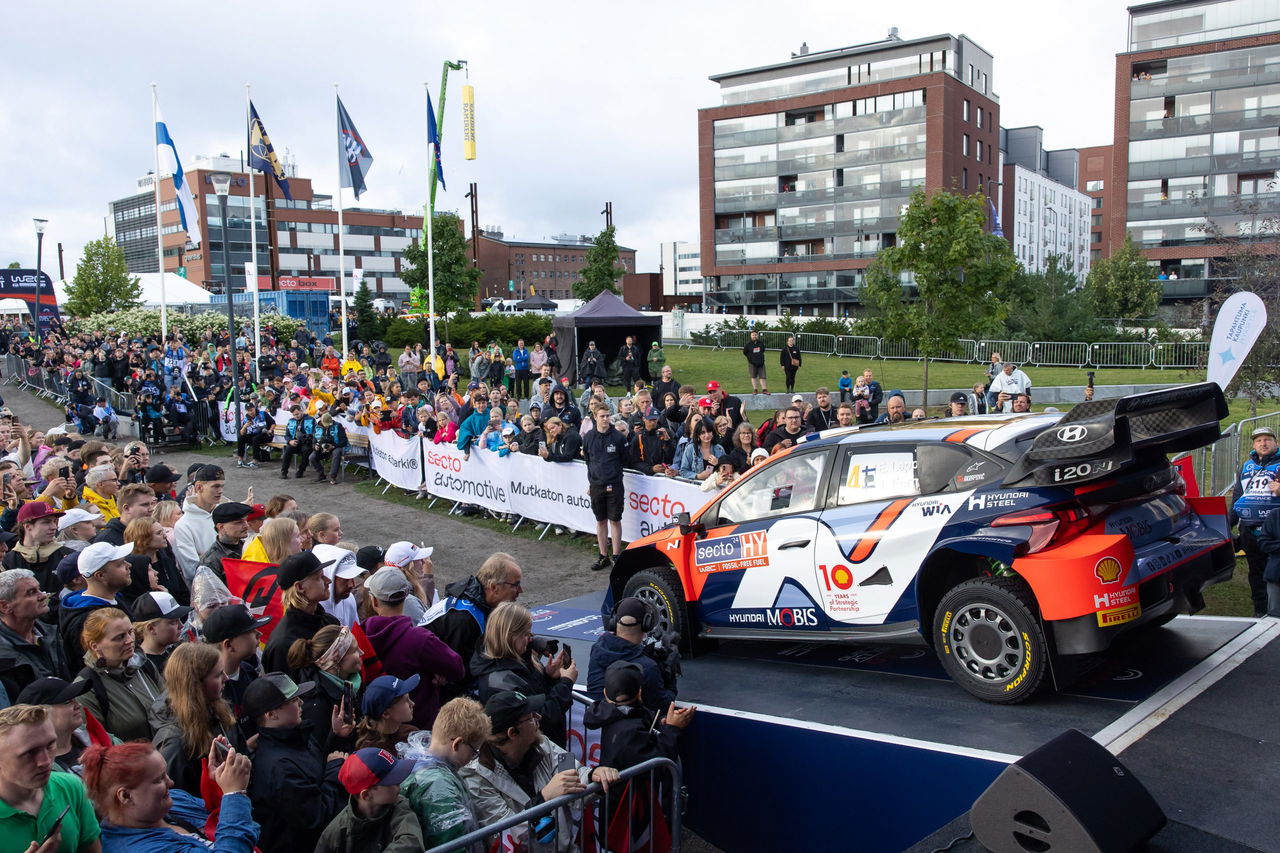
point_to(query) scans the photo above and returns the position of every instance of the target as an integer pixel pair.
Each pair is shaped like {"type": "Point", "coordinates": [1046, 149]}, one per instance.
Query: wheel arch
{"type": "Point", "coordinates": [943, 569]}
{"type": "Point", "coordinates": [635, 560]}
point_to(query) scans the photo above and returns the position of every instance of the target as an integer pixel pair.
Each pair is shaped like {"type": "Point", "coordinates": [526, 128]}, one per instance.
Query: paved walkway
{"type": "Point", "coordinates": [552, 570]}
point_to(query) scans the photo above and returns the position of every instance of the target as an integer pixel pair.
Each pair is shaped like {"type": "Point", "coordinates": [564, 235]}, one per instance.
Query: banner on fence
{"type": "Point", "coordinates": [397, 459]}
{"type": "Point", "coordinates": [549, 491]}
{"type": "Point", "coordinates": [227, 420]}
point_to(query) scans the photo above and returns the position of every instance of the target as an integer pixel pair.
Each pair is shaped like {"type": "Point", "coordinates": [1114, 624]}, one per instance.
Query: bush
{"type": "Point", "coordinates": [461, 329]}
{"type": "Point", "coordinates": [141, 322]}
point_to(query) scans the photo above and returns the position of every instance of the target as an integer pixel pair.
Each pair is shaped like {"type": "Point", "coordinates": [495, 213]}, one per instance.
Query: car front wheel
{"type": "Point", "coordinates": [661, 588]}
{"type": "Point", "coordinates": [989, 639]}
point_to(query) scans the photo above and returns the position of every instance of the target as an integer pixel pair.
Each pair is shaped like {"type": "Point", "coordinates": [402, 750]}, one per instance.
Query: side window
{"type": "Point", "coordinates": [789, 485]}
{"type": "Point", "coordinates": [954, 468]}
{"type": "Point", "coordinates": [870, 474]}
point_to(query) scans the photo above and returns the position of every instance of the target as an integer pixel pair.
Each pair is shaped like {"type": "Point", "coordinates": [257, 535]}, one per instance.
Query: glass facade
{"type": "Point", "coordinates": [824, 183]}
{"type": "Point", "coordinates": [841, 74]}
{"type": "Point", "coordinates": [1200, 22]}
{"type": "Point", "coordinates": [1203, 129]}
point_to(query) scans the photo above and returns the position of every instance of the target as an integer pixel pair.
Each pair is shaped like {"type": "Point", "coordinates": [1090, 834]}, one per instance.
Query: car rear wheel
{"type": "Point", "coordinates": [989, 639]}
{"type": "Point", "coordinates": [661, 588]}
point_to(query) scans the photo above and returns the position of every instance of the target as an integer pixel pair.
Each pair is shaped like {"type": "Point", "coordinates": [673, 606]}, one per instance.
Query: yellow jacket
{"type": "Point", "coordinates": [316, 396]}
{"type": "Point", "coordinates": [106, 506]}
{"type": "Point", "coordinates": [352, 364]}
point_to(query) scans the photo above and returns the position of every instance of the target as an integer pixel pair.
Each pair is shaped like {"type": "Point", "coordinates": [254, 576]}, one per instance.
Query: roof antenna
{"type": "Point", "coordinates": [804, 50]}
{"type": "Point", "coordinates": [893, 35]}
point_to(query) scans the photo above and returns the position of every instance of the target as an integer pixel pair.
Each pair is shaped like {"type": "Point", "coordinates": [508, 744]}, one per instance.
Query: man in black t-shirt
{"type": "Point", "coordinates": [605, 449]}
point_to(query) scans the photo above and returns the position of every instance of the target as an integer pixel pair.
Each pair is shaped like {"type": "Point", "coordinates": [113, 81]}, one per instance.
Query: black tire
{"type": "Point", "coordinates": [989, 639]}
{"type": "Point", "coordinates": [662, 588]}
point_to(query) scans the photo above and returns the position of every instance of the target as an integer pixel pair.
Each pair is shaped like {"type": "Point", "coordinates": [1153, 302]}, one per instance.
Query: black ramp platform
{"type": "Point", "coordinates": [873, 721]}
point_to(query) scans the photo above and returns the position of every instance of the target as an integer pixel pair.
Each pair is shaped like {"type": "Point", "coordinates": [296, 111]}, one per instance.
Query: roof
{"type": "Point", "coordinates": [608, 309]}
{"type": "Point", "coordinates": [982, 431]}
{"type": "Point", "coordinates": [177, 290]}
{"type": "Point", "coordinates": [824, 55]}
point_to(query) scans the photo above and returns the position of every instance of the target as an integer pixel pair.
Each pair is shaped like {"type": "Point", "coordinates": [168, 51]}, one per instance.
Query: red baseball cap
{"type": "Point", "coordinates": [713, 385]}
{"type": "Point", "coordinates": [256, 512]}
{"type": "Point", "coordinates": [371, 766]}
{"type": "Point", "coordinates": [706, 401]}
{"type": "Point", "coordinates": [31, 510]}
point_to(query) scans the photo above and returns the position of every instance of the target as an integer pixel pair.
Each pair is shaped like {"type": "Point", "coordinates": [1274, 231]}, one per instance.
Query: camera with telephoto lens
{"type": "Point", "coordinates": [662, 646]}
{"type": "Point", "coordinates": [550, 647]}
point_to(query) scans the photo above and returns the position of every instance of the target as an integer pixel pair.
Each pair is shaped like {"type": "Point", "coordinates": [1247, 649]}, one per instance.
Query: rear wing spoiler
{"type": "Point", "coordinates": [1095, 439]}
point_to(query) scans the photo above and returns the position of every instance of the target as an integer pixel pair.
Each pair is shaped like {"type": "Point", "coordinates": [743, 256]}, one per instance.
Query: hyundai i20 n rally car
{"type": "Point", "coordinates": [1002, 539]}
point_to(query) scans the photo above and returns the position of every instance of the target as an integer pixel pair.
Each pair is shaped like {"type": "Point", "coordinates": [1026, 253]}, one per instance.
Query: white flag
{"type": "Point", "coordinates": [1240, 320]}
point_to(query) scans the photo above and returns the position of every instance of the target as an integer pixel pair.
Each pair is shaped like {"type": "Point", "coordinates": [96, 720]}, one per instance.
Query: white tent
{"type": "Point", "coordinates": [14, 307]}
{"type": "Point", "coordinates": [178, 291]}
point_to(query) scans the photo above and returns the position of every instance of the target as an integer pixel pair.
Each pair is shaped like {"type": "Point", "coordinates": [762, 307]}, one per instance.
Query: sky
{"type": "Point", "coordinates": [576, 103]}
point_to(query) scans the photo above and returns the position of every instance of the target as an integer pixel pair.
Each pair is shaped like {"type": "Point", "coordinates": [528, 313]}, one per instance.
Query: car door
{"type": "Point", "coordinates": [886, 505]}
{"type": "Point", "coordinates": [756, 559]}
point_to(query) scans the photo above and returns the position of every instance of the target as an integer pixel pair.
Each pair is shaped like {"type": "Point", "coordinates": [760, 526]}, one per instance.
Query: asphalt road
{"type": "Point", "coordinates": [553, 571]}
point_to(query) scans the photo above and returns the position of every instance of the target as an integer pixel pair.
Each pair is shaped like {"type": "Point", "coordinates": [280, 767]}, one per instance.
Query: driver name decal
{"type": "Point", "coordinates": [732, 553]}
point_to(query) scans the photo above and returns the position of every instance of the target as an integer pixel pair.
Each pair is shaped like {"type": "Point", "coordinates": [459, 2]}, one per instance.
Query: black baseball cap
{"type": "Point", "coordinates": [622, 681]}
{"type": "Point", "coordinates": [271, 691]}
{"type": "Point", "coordinates": [960, 397]}
{"type": "Point", "coordinates": [369, 558]}
{"type": "Point", "coordinates": [193, 468]}
{"type": "Point", "coordinates": [507, 708]}
{"type": "Point", "coordinates": [51, 691]}
{"type": "Point", "coordinates": [162, 474]}
{"type": "Point", "coordinates": [158, 604]}
{"type": "Point", "coordinates": [230, 511]}
{"type": "Point", "coordinates": [631, 612]}
{"type": "Point", "coordinates": [297, 567]}
{"type": "Point", "coordinates": [209, 473]}
{"type": "Point", "coordinates": [230, 621]}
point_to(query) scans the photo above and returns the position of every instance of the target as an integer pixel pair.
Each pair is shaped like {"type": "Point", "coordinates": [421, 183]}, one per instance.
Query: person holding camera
{"type": "Point", "coordinates": [331, 444]}
{"type": "Point", "coordinates": [624, 640]}
{"type": "Point", "coordinates": [512, 658]}
{"type": "Point", "coordinates": [299, 436]}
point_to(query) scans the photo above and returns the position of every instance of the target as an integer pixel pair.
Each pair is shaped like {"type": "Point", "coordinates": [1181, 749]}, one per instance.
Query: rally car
{"type": "Point", "coordinates": [1001, 540]}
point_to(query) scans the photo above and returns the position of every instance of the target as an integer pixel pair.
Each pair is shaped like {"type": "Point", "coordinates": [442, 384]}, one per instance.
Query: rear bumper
{"type": "Point", "coordinates": [1175, 591]}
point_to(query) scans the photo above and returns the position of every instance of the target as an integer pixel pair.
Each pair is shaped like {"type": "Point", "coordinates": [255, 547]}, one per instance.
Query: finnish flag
{"type": "Point", "coordinates": [170, 163]}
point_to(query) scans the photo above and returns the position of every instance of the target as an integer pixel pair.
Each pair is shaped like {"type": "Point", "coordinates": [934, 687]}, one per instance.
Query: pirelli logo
{"type": "Point", "coordinates": [1118, 615]}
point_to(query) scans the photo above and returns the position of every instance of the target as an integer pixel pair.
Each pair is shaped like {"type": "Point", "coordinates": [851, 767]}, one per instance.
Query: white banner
{"type": "Point", "coordinates": [397, 460]}
{"type": "Point", "coordinates": [1240, 320]}
{"type": "Point", "coordinates": [227, 420]}
{"type": "Point", "coordinates": [553, 492]}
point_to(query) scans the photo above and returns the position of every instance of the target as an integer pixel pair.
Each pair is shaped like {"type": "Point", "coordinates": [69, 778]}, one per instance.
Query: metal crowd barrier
{"type": "Point", "coordinates": [1047, 354]}
{"type": "Point", "coordinates": [857, 346]}
{"type": "Point", "coordinates": [1181, 354]}
{"type": "Point", "coordinates": [1018, 352]}
{"type": "Point", "coordinates": [818, 344]}
{"type": "Point", "coordinates": [1134, 354]}
{"type": "Point", "coordinates": [669, 797]}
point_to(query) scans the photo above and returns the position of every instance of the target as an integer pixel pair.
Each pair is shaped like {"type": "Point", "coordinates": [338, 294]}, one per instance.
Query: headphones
{"type": "Point", "coordinates": [647, 622]}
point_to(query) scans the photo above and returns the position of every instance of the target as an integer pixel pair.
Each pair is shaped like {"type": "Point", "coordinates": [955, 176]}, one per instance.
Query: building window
{"type": "Point", "coordinates": [964, 177]}
{"type": "Point", "coordinates": [1093, 186]}
{"type": "Point", "coordinates": [964, 145]}
{"type": "Point", "coordinates": [979, 116]}
{"type": "Point", "coordinates": [979, 150]}
{"type": "Point", "coordinates": [966, 109]}
{"type": "Point", "coordinates": [1095, 237]}
{"type": "Point", "coordinates": [1097, 203]}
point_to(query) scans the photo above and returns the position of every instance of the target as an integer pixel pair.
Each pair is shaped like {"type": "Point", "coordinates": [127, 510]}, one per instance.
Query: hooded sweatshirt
{"type": "Point", "coordinates": [192, 536]}
{"type": "Point", "coordinates": [76, 608]}
{"type": "Point", "coordinates": [405, 650]}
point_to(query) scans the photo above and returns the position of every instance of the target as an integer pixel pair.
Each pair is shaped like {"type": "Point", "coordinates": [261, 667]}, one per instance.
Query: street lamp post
{"type": "Point", "coordinates": [40, 224]}
{"type": "Point", "coordinates": [222, 186]}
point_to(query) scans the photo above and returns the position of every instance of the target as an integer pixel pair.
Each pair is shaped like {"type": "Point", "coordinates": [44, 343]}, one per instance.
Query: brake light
{"type": "Point", "coordinates": [1047, 527]}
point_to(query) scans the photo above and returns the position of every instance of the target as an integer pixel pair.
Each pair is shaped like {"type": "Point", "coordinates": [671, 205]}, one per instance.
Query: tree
{"type": "Point", "coordinates": [14, 265]}
{"type": "Point", "coordinates": [961, 272]}
{"type": "Point", "coordinates": [1046, 306]}
{"type": "Point", "coordinates": [1252, 263]}
{"type": "Point", "coordinates": [1123, 285]}
{"type": "Point", "coordinates": [457, 279]}
{"type": "Point", "coordinates": [602, 270]}
{"type": "Point", "coordinates": [368, 327]}
{"type": "Point", "coordinates": [102, 281]}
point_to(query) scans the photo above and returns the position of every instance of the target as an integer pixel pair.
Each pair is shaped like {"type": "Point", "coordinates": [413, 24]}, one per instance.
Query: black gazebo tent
{"type": "Point", "coordinates": [607, 320]}
{"type": "Point", "coordinates": [536, 302]}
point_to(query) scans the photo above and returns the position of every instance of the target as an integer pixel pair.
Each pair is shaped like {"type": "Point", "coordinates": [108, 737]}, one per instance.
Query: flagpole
{"type": "Point", "coordinates": [431, 254]}
{"type": "Point", "coordinates": [253, 233]}
{"type": "Point", "coordinates": [342, 273]}
{"type": "Point", "coordinates": [155, 145]}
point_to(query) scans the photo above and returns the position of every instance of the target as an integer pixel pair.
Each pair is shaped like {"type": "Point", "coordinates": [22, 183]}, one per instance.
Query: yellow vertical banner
{"type": "Point", "coordinates": [468, 122]}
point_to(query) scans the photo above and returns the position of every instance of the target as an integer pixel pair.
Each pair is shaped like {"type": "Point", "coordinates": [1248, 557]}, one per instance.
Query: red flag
{"type": "Point", "coordinates": [255, 584]}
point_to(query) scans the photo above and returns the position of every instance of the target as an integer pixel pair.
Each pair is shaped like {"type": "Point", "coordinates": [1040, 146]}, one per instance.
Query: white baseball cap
{"type": "Point", "coordinates": [403, 553]}
{"type": "Point", "coordinates": [98, 554]}
{"type": "Point", "coordinates": [342, 562]}
{"type": "Point", "coordinates": [75, 516]}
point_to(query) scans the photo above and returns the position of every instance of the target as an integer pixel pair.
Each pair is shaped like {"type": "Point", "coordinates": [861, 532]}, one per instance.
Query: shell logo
{"type": "Point", "coordinates": [1108, 570]}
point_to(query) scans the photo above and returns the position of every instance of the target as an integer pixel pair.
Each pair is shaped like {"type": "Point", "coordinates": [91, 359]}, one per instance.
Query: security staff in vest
{"type": "Point", "coordinates": [1255, 495]}
{"type": "Point", "coordinates": [459, 617]}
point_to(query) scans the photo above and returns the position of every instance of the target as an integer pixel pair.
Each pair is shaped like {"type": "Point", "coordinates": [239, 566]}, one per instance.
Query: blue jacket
{"type": "Point", "coordinates": [690, 461]}
{"type": "Point", "coordinates": [1251, 497]}
{"type": "Point", "coordinates": [307, 426]}
{"type": "Point", "coordinates": [237, 833]}
{"type": "Point", "coordinates": [1269, 541]}
{"type": "Point", "coordinates": [335, 434]}
{"type": "Point", "coordinates": [520, 358]}
{"type": "Point", "coordinates": [472, 428]}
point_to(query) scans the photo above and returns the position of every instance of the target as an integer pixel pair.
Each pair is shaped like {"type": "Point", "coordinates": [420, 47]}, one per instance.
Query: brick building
{"type": "Point", "coordinates": [805, 166]}
{"type": "Point", "coordinates": [516, 269]}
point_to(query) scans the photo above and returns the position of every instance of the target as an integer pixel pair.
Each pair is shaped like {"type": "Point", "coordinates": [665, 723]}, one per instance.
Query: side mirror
{"type": "Point", "coordinates": [686, 525]}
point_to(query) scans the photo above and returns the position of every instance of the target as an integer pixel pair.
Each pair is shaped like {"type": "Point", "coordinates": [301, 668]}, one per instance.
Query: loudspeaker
{"type": "Point", "coordinates": [1070, 795]}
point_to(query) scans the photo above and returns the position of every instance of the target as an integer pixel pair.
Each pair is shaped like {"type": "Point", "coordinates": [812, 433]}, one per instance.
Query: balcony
{"type": "Point", "coordinates": [1181, 208]}
{"type": "Point", "coordinates": [741, 235]}
{"type": "Point", "coordinates": [1230, 78]}
{"type": "Point", "coordinates": [1187, 125]}
{"type": "Point", "coordinates": [1249, 161]}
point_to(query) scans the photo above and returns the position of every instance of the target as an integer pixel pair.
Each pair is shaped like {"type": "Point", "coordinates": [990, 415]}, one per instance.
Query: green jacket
{"type": "Point", "coordinates": [439, 798]}
{"type": "Point", "coordinates": [395, 831]}
{"type": "Point", "coordinates": [657, 358]}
